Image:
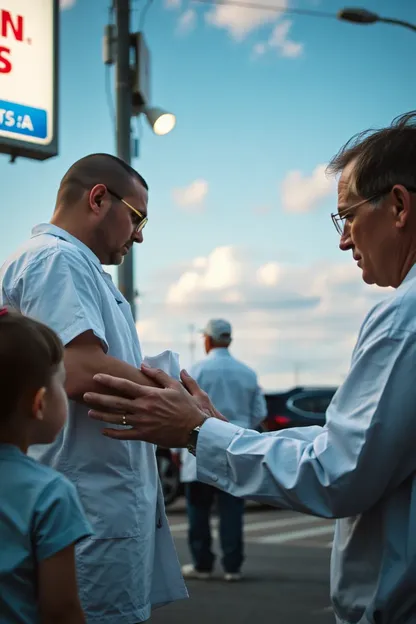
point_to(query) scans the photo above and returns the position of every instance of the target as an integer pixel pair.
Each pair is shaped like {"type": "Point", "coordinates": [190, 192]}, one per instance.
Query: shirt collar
{"type": "Point", "coordinates": [10, 449]}
{"type": "Point", "coordinates": [54, 230]}
{"type": "Point", "coordinates": [411, 275]}
{"type": "Point", "coordinates": [219, 352]}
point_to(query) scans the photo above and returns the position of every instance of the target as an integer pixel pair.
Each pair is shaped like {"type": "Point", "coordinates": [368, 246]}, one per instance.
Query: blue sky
{"type": "Point", "coordinates": [233, 231]}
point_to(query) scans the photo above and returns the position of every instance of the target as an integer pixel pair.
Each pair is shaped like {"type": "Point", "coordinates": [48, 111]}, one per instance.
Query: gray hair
{"type": "Point", "coordinates": [382, 158]}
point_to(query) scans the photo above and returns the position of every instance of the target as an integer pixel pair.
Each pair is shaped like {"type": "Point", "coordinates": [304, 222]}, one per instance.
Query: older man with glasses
{"type": "Point", "coordinates": [130, 564]}
{"type": "Point", "coordinates": [360, 468]}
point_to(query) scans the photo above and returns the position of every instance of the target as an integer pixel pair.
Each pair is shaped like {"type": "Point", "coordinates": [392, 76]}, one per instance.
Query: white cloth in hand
{"type": "Point", "coordinates": [167, 361]}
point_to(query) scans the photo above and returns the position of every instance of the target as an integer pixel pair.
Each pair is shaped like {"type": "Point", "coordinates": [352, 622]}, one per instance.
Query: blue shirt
{"type": "Point", "coordinates": [360, 468]}
{"type": "Point", "coordinates": [233, 388]}
{"type": "Point", "coordinates": [40, 515]}
{"type": "Point", "coordinates": [130, 564]}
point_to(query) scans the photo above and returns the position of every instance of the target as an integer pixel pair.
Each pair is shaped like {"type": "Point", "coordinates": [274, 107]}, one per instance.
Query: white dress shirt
{"type": "Point", "coordinates": [359, 468]}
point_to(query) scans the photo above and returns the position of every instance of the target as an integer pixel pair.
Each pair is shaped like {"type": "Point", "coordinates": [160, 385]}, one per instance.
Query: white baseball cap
{"type": "Point", "coordinates": [218, 330]}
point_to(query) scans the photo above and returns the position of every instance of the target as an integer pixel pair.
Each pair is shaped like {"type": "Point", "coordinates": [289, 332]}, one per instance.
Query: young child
{"type": "Point", "coordinates": [41, 518]}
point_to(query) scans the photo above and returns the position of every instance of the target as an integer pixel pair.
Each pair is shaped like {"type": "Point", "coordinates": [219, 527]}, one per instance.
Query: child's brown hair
{"type": "Point", "coordinates": [30, 353]}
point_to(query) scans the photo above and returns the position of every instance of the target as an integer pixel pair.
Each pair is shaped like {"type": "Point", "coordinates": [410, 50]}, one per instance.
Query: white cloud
{"type": "Point", "coordinates": [269, 274]}
{"type": "Point", "coordinates": [233, 296]}
{"type": "Point", "coordinates": [187, 21]}
{"type": "Point", "coordinates": [191, 197]}
{"type": "Point", "coordinates": [241, 21]}
{"type": "Point", "coordinates": [153, 330]}
{"type": "Point", "coordinates": [279, 40]}
{"type": "Point", "coordinates": [200, 262]}
{"type": "Point", "coordinates": [302, 193]}
{"type": "Point", "coordinates": [220, 271]}
{"type": "Point", "coordinates": [285, 317]}
{"type": "Point", "coordinates": [66, 4]}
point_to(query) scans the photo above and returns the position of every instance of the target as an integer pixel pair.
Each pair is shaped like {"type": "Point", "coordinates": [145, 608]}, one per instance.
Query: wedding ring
{"type": "Point", "coordinates": [124, 421]}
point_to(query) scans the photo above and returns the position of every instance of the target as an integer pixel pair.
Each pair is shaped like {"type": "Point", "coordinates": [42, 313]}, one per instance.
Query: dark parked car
{"type": "Point", "coordinates": [299, 407]}
{"type": "Point", "coordinates": [169, 475]}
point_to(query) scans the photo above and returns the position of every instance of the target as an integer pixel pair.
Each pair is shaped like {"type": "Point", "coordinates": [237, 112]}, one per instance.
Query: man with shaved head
{"type": "Point", "coordinates": [130, 564]}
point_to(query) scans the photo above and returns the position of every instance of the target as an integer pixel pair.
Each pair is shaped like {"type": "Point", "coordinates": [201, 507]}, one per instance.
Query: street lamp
{"type": "Point", "coordinates": [362, 16]}
{"type": "Point", "coordinates": [159, 120]}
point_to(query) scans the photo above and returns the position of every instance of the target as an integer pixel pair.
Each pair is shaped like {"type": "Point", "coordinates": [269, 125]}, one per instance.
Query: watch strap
{"type": "Point", "coordinates": [193, 438]}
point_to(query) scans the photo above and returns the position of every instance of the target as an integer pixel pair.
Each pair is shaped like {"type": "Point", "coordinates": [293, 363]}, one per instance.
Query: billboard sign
{"type": "Point", "coordinates": [29, 78]}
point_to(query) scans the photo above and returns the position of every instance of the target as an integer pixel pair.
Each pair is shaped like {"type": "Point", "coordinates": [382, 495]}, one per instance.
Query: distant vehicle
{"type": "Point", "coordinates": [169, 475]}
{"type": "Point", "coordinates": [299, 407]}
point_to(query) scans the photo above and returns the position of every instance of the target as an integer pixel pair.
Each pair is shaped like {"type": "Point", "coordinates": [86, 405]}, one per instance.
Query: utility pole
{"type": "Point", "coordinates": [123, 125]}
{"type": "Point", "coordinates": [296, 368]}
{"type": "Point", "coordinates": [129, 52]}
{"type": "Point", "coordinates": [192, 343]}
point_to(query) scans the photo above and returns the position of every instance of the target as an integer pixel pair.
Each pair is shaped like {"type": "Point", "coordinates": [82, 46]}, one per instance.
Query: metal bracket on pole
{"type": "Point", "coordinates": [109, 44]}
{"type": "Point", "coordinates": [141, 74]}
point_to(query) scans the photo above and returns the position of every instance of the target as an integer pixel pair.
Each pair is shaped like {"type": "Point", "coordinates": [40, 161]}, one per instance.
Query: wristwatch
{"type": "Point", "coordinates": [193, 438]}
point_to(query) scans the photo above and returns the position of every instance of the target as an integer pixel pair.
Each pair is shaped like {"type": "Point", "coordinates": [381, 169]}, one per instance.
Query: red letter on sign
{"type": "Point", "coordinates": [8, 25]}
{"type": "Point", "coordinates": [5, 64]}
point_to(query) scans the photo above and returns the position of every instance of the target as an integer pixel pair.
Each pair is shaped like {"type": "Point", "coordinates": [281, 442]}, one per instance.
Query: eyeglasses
{"type": "Point", "coordinates": [338, 218]}
{"type": "Point", "coordinates": [141, 218]}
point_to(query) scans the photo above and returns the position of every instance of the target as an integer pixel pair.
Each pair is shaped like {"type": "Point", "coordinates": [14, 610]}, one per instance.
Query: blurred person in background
{"type": "Point", "coordinates": [129, 565]}
{"type": "Point", "coordinates": [360, 468]}
{"type": "Point", "coordinates": [233, 388]}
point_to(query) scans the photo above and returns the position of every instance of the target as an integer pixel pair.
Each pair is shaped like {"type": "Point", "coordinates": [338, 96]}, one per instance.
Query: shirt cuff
{"type": "Point", "coordinates": [214, 438]}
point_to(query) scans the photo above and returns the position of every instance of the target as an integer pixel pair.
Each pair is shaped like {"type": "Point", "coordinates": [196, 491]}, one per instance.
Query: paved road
{"type": "Point", "coordinates": [286, 574]}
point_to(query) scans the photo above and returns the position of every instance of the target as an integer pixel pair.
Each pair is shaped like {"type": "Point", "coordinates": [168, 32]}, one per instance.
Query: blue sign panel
{"type": "Point", "coordinates": [23, 120]}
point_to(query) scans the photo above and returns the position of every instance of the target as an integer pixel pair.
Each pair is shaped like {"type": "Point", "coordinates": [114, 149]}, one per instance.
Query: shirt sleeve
{"type": "Point", "coordinates": [60, 290]}
{"type": "Point", "coordinates": [259, 408]}
{"type": "Point", "coordinates": [59, 519]}
{"type": "Point", "coordinates": [365, 450]}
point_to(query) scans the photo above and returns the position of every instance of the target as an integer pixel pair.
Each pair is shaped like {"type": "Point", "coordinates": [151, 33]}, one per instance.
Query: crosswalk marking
{"type": "Point", "coordinates": [281, 523]}
{"type": "Point", "coordinates": [253, 527]}
{"type": "Point", "coordinates": [291, 536]}
{"type": "Point", "coordinates": [279, 530]}
{"type": "Point", "coordinates": [179, 527]}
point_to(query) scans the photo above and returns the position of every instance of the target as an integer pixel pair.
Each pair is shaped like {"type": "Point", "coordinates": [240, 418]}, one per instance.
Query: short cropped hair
{"type": "Point", "coordinates": [97, 169]}
{"type": "Point", "coordinates": [382, 158]}
{"type": "Point", "coordinates": [30, 353]}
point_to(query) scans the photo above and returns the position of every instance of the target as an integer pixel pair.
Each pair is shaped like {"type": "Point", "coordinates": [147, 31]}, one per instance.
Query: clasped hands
{"type": "Point", "coordinates": [163, 415]}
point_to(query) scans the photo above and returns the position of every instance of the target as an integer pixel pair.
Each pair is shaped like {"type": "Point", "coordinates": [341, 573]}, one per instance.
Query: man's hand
{"type": "Point", "coordinates": [163, 416]}
{"type": "Point", "coordinates": [202, 399]}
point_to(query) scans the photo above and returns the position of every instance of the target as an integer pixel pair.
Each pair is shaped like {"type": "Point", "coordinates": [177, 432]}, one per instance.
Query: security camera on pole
{"type": "Point", "coordinates": [132, 99]}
